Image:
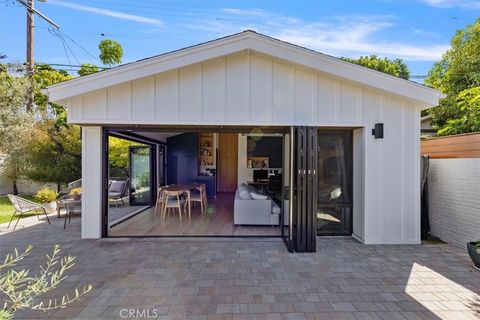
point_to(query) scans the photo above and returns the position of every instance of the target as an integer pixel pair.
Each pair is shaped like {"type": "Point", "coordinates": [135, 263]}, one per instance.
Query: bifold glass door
{"type": "Point", "coordinates": [303, 194]}
{"type": "Point", "coordinates": [140, 175]}
{"type": "Point", "coordinates": [321, 186]}
{"type": "Point", "coordinates": [335, 172]}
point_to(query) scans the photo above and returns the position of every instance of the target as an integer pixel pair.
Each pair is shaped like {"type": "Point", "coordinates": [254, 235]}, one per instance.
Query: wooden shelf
{"type": "Point", "coordinates": [206, 153]}
{"type": "Point", "coordinates": [257, 162]}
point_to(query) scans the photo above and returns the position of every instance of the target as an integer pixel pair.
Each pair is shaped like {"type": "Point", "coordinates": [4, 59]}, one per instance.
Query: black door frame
{"type": "Point", "coordinates": [106, 133]}
{"type": "Point", "coordinates": [153, 176]}
{"type": "Point", "coordinates": [302, 190]}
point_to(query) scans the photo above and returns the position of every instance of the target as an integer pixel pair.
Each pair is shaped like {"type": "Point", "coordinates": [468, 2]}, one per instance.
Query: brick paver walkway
{"type": "Point", "coordinates": [248, 279]}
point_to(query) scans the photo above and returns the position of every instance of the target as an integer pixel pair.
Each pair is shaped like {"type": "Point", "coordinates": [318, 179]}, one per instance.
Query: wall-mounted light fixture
{"type": "Point", "coordinates": [378, 131]}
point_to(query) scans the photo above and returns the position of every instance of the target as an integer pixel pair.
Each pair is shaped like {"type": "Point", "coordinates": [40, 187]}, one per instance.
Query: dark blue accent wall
{"type": "Point", "coordinates": [182, 162]}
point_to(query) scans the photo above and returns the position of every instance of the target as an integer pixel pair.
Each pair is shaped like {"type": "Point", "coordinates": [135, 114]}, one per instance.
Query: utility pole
{"type": "Point", "coordinates": [31, 12]}
{"type": "Point", "coordinates": [30, 42]}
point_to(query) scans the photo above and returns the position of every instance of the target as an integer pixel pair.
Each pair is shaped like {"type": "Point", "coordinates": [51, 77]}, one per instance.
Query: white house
{"type": "Point", "coordinates": [343, 178]}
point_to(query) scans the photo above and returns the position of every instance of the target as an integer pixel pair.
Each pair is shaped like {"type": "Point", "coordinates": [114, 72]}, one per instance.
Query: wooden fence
{"type": "Point", "coordinates": [457, 146]}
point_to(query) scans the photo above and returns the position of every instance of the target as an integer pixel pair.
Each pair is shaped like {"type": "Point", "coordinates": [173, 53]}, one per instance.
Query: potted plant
{"type": "Point", "coordinates": [76, 193]}
{"type": "Point", "coordinates": [474, 253]}
{"type": "Point", "coordinates": [47, 198]}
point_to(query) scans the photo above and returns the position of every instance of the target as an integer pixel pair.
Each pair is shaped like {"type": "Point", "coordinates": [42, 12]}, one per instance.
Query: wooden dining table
{"type": "Point", "coordinates": [185, 188]}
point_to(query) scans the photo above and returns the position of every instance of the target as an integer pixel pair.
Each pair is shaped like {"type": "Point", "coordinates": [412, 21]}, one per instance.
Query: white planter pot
{"type": "Point", "coordinates": [50, 207]}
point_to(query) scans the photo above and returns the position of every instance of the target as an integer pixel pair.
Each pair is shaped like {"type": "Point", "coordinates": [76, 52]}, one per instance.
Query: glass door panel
{"type": "Point", "coordinates": [140, 175]}
{"type": "Point", "coordinates": [335, 172]}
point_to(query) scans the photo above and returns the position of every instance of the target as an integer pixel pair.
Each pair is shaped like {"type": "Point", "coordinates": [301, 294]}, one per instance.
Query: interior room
{"type": "Point", "coordinates": [196, 183]}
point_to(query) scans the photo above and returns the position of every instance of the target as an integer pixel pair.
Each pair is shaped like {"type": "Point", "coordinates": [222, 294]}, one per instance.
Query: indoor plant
{"type": "Point", "coordinates": [47, 197]}
{"type": "Point", "coordinates": [474, 253]}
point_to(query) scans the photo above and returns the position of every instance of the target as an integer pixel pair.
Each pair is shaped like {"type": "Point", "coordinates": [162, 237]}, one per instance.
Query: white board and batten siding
{"type": "Point", "coordinates": [249, 88]}
{"type": "Point", "coordinates": [244, 88]}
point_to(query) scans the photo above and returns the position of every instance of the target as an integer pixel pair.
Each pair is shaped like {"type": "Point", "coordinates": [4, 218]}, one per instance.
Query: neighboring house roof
{"type": "Point", "coordinates": [246, 40]}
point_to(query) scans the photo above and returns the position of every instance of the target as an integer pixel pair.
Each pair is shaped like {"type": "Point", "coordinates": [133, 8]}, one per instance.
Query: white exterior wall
{"type": "Point", "coordinates": [248, 88]}
{"type": "Point", "coordinates": [454, 202]}
{"type": "Point", "coordinates": [91, 182]}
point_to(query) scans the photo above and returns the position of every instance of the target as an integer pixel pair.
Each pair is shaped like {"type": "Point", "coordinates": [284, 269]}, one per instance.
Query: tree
{"type": "Point", "coordinates": [457, 75]}
{"type": "Point", "coordinates": [118, 156]}
{"type": "Point", "coordinates": [111, 52]}
{"type": "Point", "coordinates": [468, 117]}
{"type": "Point", "coordinates": [87, 68]}
{"type": "Point", "coordinates": [15, 125]}
{"type": "Point", "coordinates": [37, 144]}
{"type": "Point", "coordinates": [396, 67]}
{"type": "Point", "coordinates": [54, 153]}
{"type": "Point", "coordinates": [43, 77]}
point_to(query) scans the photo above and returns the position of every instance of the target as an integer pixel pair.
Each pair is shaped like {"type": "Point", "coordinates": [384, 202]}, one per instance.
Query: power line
{"type": "Point", "coordinates": [85, 50]}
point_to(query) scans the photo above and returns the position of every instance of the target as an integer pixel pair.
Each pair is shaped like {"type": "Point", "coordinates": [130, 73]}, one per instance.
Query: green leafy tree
{"type": "Point", "coordinates": [54, 153]}
{"type": "Point", "coordinates": [458, 75]}
{"type": "Point", "coordinates": [15, 126]}
{"type": "Point", "coordinates": [87, 68]}
{"type": "Point", "coordinates": [468, 117]}
{"type": "Point", "coordinates": [118, 156]}
{"type": "Point", "coordinates": [23, 291]}
{"type": "Point", "coordinates": [111, 52]}
{"type": "Point", "coordinates": [45, 76]}
{"type": "Point", "coordinates": [395, 67]}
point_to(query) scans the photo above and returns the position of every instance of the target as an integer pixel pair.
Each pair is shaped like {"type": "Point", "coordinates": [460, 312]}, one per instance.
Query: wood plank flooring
{"type": "Point", "coordinates": [216, 221]}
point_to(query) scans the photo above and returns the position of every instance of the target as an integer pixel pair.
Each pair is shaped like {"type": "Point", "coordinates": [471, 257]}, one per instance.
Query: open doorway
{"type": "Point", "coordinates": [222, 182]}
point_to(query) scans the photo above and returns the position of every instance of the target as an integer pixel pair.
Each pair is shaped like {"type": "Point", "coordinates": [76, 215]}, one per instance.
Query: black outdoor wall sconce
{"type": "Point", "coordinates": [378, 131]}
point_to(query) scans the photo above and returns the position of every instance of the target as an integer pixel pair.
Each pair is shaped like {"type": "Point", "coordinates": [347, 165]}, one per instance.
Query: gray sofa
{"type": "Point", "coordinates": [250, 211]}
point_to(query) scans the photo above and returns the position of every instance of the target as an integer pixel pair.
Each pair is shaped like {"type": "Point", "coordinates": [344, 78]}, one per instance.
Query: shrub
{"type": "Point", "coordinates": [46, 195]}
{"type": "Point", "coordinates": [75, 191]}
{"type": "Point", "coordinates": [23, 291]}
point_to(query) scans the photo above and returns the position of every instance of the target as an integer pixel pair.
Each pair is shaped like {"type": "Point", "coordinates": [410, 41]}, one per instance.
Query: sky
{"type": "Point", "coordinates": [418, 31]}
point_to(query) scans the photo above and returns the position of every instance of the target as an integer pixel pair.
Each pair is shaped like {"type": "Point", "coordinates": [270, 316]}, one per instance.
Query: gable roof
{"type": "Point", "coordinates": [246, 40]}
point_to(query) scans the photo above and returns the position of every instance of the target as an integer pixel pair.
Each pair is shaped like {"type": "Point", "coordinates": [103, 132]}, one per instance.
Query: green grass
{"type": "Point", "coordinates": [6, 208]}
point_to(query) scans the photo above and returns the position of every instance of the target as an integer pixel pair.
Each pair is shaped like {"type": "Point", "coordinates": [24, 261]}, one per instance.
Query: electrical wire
{"type": "Point", "coordinates": [51, 31]}
{"type": "Point", "coordinates": [78, 45]}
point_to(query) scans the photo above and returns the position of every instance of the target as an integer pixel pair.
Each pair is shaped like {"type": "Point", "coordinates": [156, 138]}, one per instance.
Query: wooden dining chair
{"type": "Point", "coordinates": [200, 197]}
{"type": "Point", "coordinates": [172, 200]}
{"type": "Point", "coordinates": [159, 202]}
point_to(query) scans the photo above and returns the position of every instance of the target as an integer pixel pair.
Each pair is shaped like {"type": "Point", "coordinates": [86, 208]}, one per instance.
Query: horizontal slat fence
{"type": "Point", "coordinates": [457, 146]}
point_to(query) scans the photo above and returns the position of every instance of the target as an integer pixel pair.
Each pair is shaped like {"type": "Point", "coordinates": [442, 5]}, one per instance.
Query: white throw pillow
{"type": "Point", "coordinates": [244, 194]}
{"type": "Point", "coordinates": [258, 196]}
{"type": "Point", "coordinates": [275, 208]}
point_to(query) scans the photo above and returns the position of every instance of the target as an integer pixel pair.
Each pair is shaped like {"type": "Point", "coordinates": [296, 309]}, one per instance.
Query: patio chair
{"type": "Point", "coordinates": [117, 190]}
{"type": "Point", "coordinates": [23, 206]}
{"type": "Point", "coordinates": [71, 205]}
{"type": "Point", "coordinates": [70, 186]}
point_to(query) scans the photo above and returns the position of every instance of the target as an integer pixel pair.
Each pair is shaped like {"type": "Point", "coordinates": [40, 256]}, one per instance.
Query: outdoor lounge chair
{"type": "Point", "coordinates": [23, 206]}
{"type": "Point", "coordinates": [117, 190]}
{"type": "Point", "coordinates": [72, 185]}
